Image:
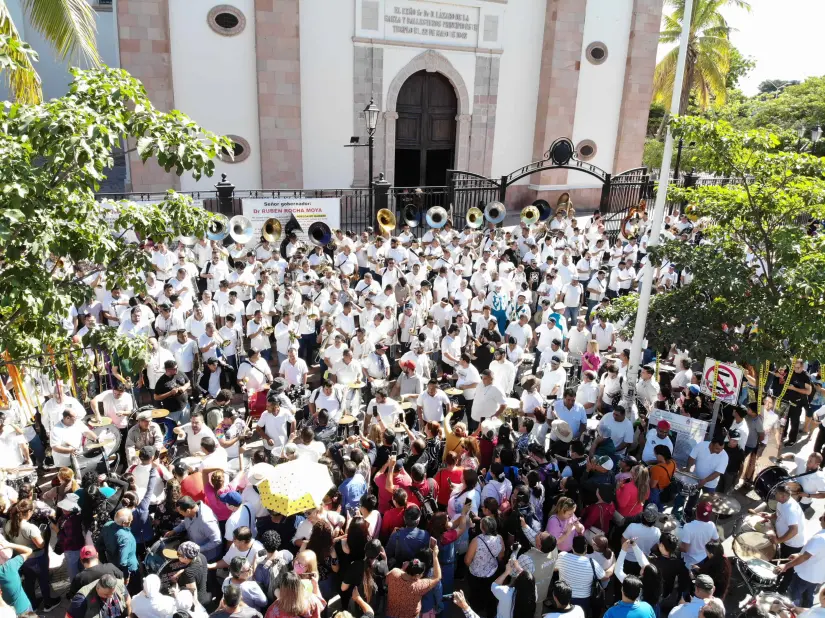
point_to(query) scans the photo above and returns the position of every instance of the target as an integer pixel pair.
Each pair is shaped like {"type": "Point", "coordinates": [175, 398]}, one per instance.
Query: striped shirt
{"type": "Point", "coordinates": [578, 573]}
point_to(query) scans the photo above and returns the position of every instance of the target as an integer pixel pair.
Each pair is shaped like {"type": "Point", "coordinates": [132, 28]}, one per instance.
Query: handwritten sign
{"type": "Point", "coordinates": [688, 432]}
{"type": "Point", "coordinates": [425, 22]}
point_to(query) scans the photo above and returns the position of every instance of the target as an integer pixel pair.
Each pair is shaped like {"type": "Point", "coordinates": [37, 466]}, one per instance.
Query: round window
{"type": "Point", "coordinates": [226, 20]}
{"type": "Point", "coordinates": [586, 150]}
{"type": "Point", "coordinates": [240, 150]}
{"type": "Point", "coordinates": [596, 52]}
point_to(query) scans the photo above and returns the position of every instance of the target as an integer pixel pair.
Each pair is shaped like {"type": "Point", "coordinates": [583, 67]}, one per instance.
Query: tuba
{"type": "Point", "coordinates": [218, 228]}
{"type": "Point", "coordinates": [565, 205]}
{"type": "Point", "coordinates": [320, 234]}
{"type": "Point", "coordinates": [530, 215]}
{"type": "Point", "coordinates": [240, 229]}
{"type": "Point", "coordinates": [437, 217]}
{"type": "Point", "coordinates": [495, 212]}
{"type": "Point", "coordinates": [545, 210]}
{"type": "Point", "coordinates": [386, 221]}
{"type": "Point", "coordinates": [475, 218]}
{"type": "Point", "coordinates": [272, 230]}
{"type": "Point", "coordinates": [412, 215]}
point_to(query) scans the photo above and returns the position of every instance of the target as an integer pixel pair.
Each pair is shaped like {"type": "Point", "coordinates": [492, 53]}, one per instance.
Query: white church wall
{"type": "Point", "coordinates": [599, 97]}
{"type": "Point", "coordinates": [327, 92]}
{"type": "Point", "coordinates": [518, 86]}
{"type": "Point", "coordinates": [215, 83]}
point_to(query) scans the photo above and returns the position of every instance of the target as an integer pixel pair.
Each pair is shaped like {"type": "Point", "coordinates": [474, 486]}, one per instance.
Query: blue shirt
{"type": "Point", "coordinates": [405, 543]}
{"type": "Point", "coordinates": [203, 529]}
{"type": "Point", "coordinates": [639, 609]}
{"type": "Point", "coordinates": [12, 587]}
{"type": "Point", "coordinates": [352, 489]}
{"type": "Point", "coordinates": [575, 416]}
{"type": "Point", "coordinates": [121, 547]}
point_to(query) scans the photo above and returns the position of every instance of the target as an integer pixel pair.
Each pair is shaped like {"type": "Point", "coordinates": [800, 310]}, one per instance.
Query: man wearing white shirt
{"type": "Point", "coordinates": [209, 343]}
{"type": "Point", "coordinates": [789, 521]}
{"type": "Point", "coordinates": [504, 372]}
{"type": "Point", "coordinates": [52, 410]}
{"type": "Point", "coordinates": [604, 333]}
{"type": "Point", "coordinates": [587, 393]}
{"type": "Point", "coordinates": [489, 401]}
{"type": "Point", "coordinates": [233, 306]}
{"type": "Point", "coordinates": [184, 350]}
{"type": "Point", "coordinates": [326, 397]}
{"type": "Point", "coordinates": [117, 405]}
{"type": "Point", "coordinates": [656, 436]}
{"type": "Point", "coordinates": [286, 336]}
{"type": "Point", "coordinates": [254, 373]}
{"type": "Point", "coordinates": [576, 342]}
{"type": "Point", "coordinates": [389, 410]}
{"type": "Point", "coordinates": [620, 430]}
{"type": "Point", "coordinates": [66, 438]}
{"type": "Point", "coordinates": [647, 389]}
{"type": "Point", "coordinates": [214, 271]}
{"type": "Point", "coordinates": [294, 370]}
{"type": "Point", "coordinates": [196, 323]}
{"type": "Point", "coordinates": [431, 404]}
{"type": "Point", "coordinates": [572, 298]}
{"type": "Point", "coordinates": [469, 379]}
{"type": "Point", "coordinates": [711, 461]}
{"type": "Point", "coordinates": [193, 432]}
{"type": "Point", "coordinates": [258, 337]}
{"type": "Point", "coordinates": [241, 281]}
{"type": "Point", "coordinates": [259, 303]}
{"type": "Point", "coordinates": [157, 357]}
{"type": "Point", "coordinates": [275, 426]}
{"type": "Point", "coordinates": [163, 262]}
{"type": "Point", "coordinates": [232, 333]}
{"type": "Point", "coordinates": [683, 377]}
{"type": "Point", "coordinates": [808, 569]}
{"type": "Point", "coordinates": [135, 325]}
{"type": "Point", "coordinates": [521, 331]}
{"type": "Point", "coordinates": [553, 379]}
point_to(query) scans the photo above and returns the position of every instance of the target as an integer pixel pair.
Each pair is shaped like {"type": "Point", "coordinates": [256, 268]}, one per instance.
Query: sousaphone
{"type": "Point", "coordinates": [240, 229]}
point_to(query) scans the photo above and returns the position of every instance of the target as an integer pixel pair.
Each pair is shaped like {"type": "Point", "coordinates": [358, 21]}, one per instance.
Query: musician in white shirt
{"type": "Point", "coordinates": [254, 373]}
{"type": "Point", "coordinates": [232, 333]}
{"type": "Point", "coordinates": [294, 370]}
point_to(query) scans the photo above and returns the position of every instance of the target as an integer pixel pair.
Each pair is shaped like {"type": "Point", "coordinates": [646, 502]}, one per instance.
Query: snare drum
{"type": "Point", "coordinates": [760, 573]}
{"type": "Point", "coordinates": [23, 476]}
{"type": "Point", "coordinates": [690, 486]}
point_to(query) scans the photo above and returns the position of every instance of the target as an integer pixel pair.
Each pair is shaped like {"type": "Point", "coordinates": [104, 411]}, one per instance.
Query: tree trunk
{"type": "Point", "coordinates": [687, 86]}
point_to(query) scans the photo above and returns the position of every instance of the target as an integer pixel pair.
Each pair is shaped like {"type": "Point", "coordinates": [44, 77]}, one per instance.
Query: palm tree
{"type": "Point", "coordinates": [69, 25]}
{"type": "Point", "coordinates": [708, 58]}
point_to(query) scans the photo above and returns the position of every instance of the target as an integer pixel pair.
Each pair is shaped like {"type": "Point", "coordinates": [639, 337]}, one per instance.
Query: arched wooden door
{"type": "Point", "coordinates": [425, 130]}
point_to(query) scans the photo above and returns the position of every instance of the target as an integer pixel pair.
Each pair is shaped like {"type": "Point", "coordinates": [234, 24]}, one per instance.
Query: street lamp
{"type": "Point", "coordinates": [225, 191]}
{"type": "Point", "coordinates": [371, 118]}
{"type": "Point", "coordinates": [816, 134]}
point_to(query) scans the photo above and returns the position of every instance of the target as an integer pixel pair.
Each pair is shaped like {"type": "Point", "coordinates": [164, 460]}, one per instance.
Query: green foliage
{"type": "Point", "coordinates": [761, 217]}
{"type": "Point", "coordinates": [774, 85]}
{"type": "Point", "coordinates": [739, 67]}
{"type": "Point", "coordinates": [54, 156]}
{"type": "Point", "coordinates": [710, 54]}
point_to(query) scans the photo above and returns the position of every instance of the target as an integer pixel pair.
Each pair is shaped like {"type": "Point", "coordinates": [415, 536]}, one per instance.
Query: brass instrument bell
{"type": "Point", "coordinates": [218, 228]}
{"type": "Point", "coordinates": [495, 212]}
{"type": "Point", "coordinates": [530, 215]}
{"type": "Point", "coordinates": [437, 217]}
{"type": "Point", "coordinates": [386, 220]}
{"type": "Point", "coordinates": [320, 234]}
{"type": "Point", "coordinates": [545, 209]}
{"type": "Point", "coordinates": [475, 218]}
{"type": "Point", "coordinates": [240, 229]}
{"type": "Point", "coordinates": [271, 230]}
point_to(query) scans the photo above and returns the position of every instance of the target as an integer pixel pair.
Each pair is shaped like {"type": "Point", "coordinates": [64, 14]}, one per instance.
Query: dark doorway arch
{"type": "Point", "coordinates": [425, 131]}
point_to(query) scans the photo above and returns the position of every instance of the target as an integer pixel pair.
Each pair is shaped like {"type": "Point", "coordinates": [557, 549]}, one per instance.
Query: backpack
{"type": "Point", "coordinates": [428, 504]}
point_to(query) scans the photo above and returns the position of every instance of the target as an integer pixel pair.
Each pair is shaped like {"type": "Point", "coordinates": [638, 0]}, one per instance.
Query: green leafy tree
{"type": "Point", "coordinates": [54, 156]}
{"type": "Point", "coordinates": [758, 289]}
{"type": "Point", "coordinates": [709, 54]}
{"type": "Point", "coordinates": [68, 25]}
{"type": "Point", "coordinates": [739, 67]}
{"type": "Point", "coordinates": [775, 85]}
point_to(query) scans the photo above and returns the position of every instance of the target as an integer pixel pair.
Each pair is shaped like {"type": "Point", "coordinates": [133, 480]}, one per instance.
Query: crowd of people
{"type": "Point", "coordinates": [464, 389]}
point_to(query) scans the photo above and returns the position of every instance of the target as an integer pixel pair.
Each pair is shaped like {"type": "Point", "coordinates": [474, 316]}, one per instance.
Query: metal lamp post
{"type": "Point", "coordinates": [371, 119]}
{"type": "Point", "coordinates": [225, 191]}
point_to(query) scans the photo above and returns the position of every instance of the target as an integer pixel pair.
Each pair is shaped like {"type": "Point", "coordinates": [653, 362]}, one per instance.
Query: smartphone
{"type": "Point", "coordinates": [468, 500]}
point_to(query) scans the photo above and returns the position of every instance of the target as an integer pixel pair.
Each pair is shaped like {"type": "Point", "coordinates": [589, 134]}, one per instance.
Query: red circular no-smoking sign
{"type": "Point", "coordinates": [727, 384]}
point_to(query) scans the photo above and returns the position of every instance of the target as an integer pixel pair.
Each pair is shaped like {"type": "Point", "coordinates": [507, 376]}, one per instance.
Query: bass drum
{"type": "Point", "coordinates": [162, 566]}
{"type": "Point", "coordinates": [766, 481]}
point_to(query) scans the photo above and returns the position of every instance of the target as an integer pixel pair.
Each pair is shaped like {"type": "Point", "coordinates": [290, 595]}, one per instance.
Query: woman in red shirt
{"type": "Point", "coordinates": [448, 477]}
{"type": "Point", "coordinates": [632, 494]}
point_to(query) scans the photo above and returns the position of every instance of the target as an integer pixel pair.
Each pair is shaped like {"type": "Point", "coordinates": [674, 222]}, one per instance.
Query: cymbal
{"type": "Point", "coordinates": [159, 413]}
{"type": "Point", "coordinates": [454, 391]}
{"type": "Point", "coordinates": [511, 403]}
{"type": "Point", "coordinates": [724, 505]}
{"type": "Point", "coordinates": [356, 385]}
{"type": "Point", "coordinates": [410, 396]}
{"type": "Point", "coordinates": [407, 405]}
{"type": "Point", "coordinates": [104, 420]}
{"type": "Point", "coordinates": [566, 365]}
{"type": "Point", "coordinates": [171, 554]}
{"type": "Point", "coordinates": [346, 419]}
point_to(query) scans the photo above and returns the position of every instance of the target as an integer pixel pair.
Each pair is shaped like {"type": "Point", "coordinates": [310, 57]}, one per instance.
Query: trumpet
{"type": "Point", "coordinates": [225, 343]}
{"type": "Point", "coordinates": [268, 330]}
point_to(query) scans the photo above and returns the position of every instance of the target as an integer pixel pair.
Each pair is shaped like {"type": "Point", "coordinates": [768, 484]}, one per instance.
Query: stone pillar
{"type": "Point", "coordinates": [483, 120]}
{"type": "Point", "coordinates": [638, 84]}
{"type": "Point", "coordinates": [278, 48]}
{"type": "Point", "coordinates": [143, 29]}
{"type": "Point", "coordinates": [368, 76]}
{"type": "Point", "coordinates": [559, 81]}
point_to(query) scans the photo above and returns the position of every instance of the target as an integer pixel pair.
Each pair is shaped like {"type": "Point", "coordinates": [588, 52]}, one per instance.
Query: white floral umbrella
{"type": "Point", "coordinates": [295, 486]}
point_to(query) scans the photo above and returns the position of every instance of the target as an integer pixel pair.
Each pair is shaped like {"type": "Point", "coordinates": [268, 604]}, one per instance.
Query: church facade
{"type": "Point", "coordinates": [478, 85]}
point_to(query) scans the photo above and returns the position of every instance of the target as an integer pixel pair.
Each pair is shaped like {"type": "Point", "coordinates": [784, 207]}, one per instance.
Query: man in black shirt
{"type": "Point", "coordinates": [195, 570]}
{"type": "Point", "coordinates": [92, 571]}
{"type": "Point", "coordinates": [171, 391]}
{"type": "Point", "coordinates": [672, 570]}
{"type": "Point", "coordinates": [799, 390]}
